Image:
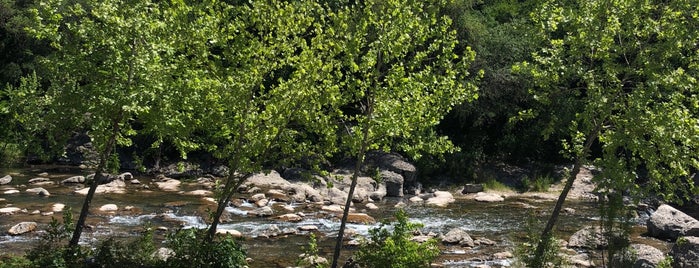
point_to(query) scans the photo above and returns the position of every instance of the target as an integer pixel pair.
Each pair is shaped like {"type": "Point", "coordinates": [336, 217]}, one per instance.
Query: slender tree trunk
{"type": "Point", "coordinates": [547, 232]}
{"type": "Point", "coordinates": [95, 182]}
{"type": "Point", "coordinates": [222, 203]}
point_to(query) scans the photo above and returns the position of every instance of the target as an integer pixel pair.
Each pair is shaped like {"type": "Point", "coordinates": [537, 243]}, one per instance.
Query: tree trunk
{"type": "Point", "coordinates": [348, 203]}
{"type": "Point", "coordinates": [222, 203]}
{"type": "Point", "coordinates": [95, 182]}
{"type": "Point", "coordinates": [547, 232]}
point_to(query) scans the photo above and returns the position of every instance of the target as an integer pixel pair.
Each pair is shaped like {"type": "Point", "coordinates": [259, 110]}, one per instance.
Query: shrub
{"type": "Point", "coordinates": [394, 248]}
{"type": "Point", "coordinates": [138, 252]}
{"type": "Point", "coordinates": [52, 250]}
{"type": "Point", "coordinates": [192, 250]}
{"type": "Point", "coordinates": [12, 261]}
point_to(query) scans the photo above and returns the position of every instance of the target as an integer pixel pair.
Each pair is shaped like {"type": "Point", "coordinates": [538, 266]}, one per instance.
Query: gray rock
{"type": "Point", "coordinates": [262, 212]}
{"type": "Point", "coordinates": [39, 180]}
{"type": "Point", "coordinates": [394, 183]}
{"type": "Point", "coordinates": [588, 237]}
{"type": "Point", "coordinates": [638, 256]}
{"type": "Point", "coordinates": [74, 179]}
{"type": "Point", "coordinates": [488, 197]}
{"type": "Point", "coordinates": [472, 188]}
{"type": "Point", "coordinates": [458, 236]}
{"type": "Point", "coordinates": [22, 227]}
{"type": "Point", "coordinates": [39, 191]}
{"type": "Point", "coordinates": [271, 231]}
{"type": "Point", "coordinates": [685, 252]}
{"type": "Point", "coordinates": [5, 180]}
{"type": "Point", "coordinates": [669, 223]}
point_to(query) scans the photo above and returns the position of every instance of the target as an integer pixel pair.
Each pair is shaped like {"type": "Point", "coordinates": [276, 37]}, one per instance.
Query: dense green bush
{"type": "Point", "coordinates": [138, 252]}
{"type": "Point", "coordinates": [394, 248]}
{"type": "Point", "coordinates": [190, 249]}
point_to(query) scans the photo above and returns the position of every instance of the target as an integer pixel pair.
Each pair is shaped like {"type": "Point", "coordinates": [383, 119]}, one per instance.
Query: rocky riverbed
{"type": "Point", "coordinates": [274, 214]}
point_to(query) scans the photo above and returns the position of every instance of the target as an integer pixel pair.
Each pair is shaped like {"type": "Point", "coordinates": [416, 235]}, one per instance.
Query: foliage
{"type": "Point", "coordinates": [11, 261]}
{"type": "Point", "coordinates": [138, 252]}
{"type": "Point", "coordinates": [52, 250]}
{"type": "Point", "coordinates": [401, 71]}
{"type": "Point", "coordinates": [394, 248]}
{"type": "Point", "coordinates": [539, 184]}
{"type": "Point", "coordinates": [526, 251]}
{"type": "Point", "coordinates": [192, 249]}
{"type": "Point", "coordinates": [310, 253]}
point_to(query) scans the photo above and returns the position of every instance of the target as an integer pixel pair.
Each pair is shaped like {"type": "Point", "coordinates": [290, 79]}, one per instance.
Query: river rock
{"type": "Point", "coordinates": [231, 232]}
{"type": "Point", "coordinates": [169, 185]}
{"type": "Point", "coordinates": [262, 212]}
{"type": "Point", "coordinates": [257, 197]}
{"type": "Point", "coordinates": [417, 200]}
{"type": "Point", "coordinates": [200, 193]}
{"type": "Point", "coordinates": [685, 252]}
{"type": "Point", "coordinates": [379, 193]}
{"type": "Point", "coordinates": [290, 217]}
{"type": "Point", "coordinates": [5, 180]}
{"type": "Point", "coordinates": [40, 181]}
{"type": "Point", "coordinates": [361, 218]}
{"type": "Point", "coordinates": [588, 237]}
{"type": "Point", "coordinates": [262, 202]}
{"type": "Point", "coordinates": [271, 231]}
{"type": "Point", "coordinates": [308, 228]}
{"type": "Point", "coordinates": [371, 206]}
{"type": "Point", "coordinates": [39, 191]}
{"type": "Point", "coordinates": [472, 188]}
{"type": "Point", "coordinates": [332, 208]}
{"type": "Point", "coordinates": [126, 176]}
{"type": "Point", "coordinates": [279, 195]}
{"type": "Point", "coordinates": [269, 180]}
{"type": "Point", "coordinates": [669, 223]}
{"type": "Point", "coordinates": [638, 256]}
{"type": "Point", "coordinates": [58, 207]}
{"type": "Point", "coordinates": [337, 196]}
{"type": "Point", "coordinates": [458, 236]}
{"type": "Point", "coordinates": [313, 260]}
{"type": "Point", "coordinates": [74, 179]}
{"type": "Point", "coordinates": [112, 187]}
{"type": "Point", "coordinates": [22, 227]}
{"type": "Point", "coordinates": [9, 210]}
{"type": "Point", "coordinates": [394, 183]}
{"type": "Point", "coordinates": [395, 163]}
{"type": "Point", "coordinates": [109, 208]}
{"type": "Point", "coordinates": [11, 191]}
{"type": "Point", "coordinates": [488, 197]}
{"type": "Point", "coordinates": [441, 199]}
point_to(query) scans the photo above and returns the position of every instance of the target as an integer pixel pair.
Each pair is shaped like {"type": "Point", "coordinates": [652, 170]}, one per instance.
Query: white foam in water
{"type": "Point", "coordinates": [189, 221]}
{"type": "Point", "coordinates": [131, 220]}
{"type": "Point", "coordinates": [465, 263]}
{"type": "Point", "coordinates": [237, 211]}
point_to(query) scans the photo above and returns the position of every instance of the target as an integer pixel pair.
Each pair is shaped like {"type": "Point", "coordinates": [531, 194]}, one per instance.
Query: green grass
{"type": "Point", "coordinates": [10, 154]}
{"type": "Point", "coordinates": [493, 184]}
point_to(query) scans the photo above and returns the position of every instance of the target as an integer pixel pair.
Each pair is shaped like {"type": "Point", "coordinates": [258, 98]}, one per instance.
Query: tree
{"type": "Point", "coordinates": [106, 68]}
{"type": "Point", "coordinates": [401, 70]}
{"type": "Point", "coordinates": [623, 75]}
{"type": "Point", "coordinates": [258, 90]}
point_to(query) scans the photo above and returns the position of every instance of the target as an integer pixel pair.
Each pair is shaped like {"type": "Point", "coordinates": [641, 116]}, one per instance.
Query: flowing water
{"type": "Point", "coordinates": [505, 223]}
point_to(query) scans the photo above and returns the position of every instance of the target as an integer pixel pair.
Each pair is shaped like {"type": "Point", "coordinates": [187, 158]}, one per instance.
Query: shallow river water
{"type": "Point", "coordinates": [505, 223]}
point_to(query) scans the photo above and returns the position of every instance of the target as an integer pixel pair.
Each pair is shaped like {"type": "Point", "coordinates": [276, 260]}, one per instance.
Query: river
{"type": "Point", "coordinates": [504, 223]}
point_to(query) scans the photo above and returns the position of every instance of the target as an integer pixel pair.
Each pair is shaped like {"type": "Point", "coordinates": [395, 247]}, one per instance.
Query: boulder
{"type": "Point", "coordinates": [638, 256]}
{"type": "Point", "coordinates": [125, 176]}
{"type": "Point", "coordinates": [262, 212]}
{"type": "Point", "coordinates": [362, 218]}
{"type": "Point", "coordinates": [685, 252]}
{"type": "Point", "coordinates": [9, 210]}
{"type": "Point", "coordinates": [395, 163]}
{"type": "Point", "coordinates": [257, 197]}
{"type": "Point", "coordinates": [337, 196]}
{"type": "Point", "coordinates": [588, 237]}
{"type": "Point", "coordinates": [114, 187]}
{"type": "Point", "coordinates": [669, 223]}
{"type": "Point", "coordinates": [488, 197]}
{"type": "Point", "coordinates": [271, 231]}
{"type": "Point", "coordinates": [290, 217]}
{"type": "Point", "coordinates": [379, 193]}
{"type": "Point", "coordinates": [169, 185]}
{"type": "Point", "coordinates": [269, 180]}
{"type": "Point", "coordinates": [371, 206]}
{"type": "Point", "coordinates": [394, 183]}
{"type": "Point", "coordinates": [472, 188]}
{"type": "Point", "coordinates": [11, 191]}
{"type": "Point", "coordinates": [441, 199]}
{"type": "Point", "coordinates": [231, 232]}
{"type": "Point", "coordinates": [74, 179]}
{"type": "Point", "coordinates": [39, 191]}
{"type": "Point", "coordinates": [458, 236]}
{"type": "Point", "coordinates": [417, 200]}
{"type": "Point", "coordinates": [109, 208]}
{"type": "Point", "coordinates": [279, 195]}
{"type": "Point", "coordinates": [40, 181]}
{"type": "Point", "coordinates": [5, 180]}
{"type": "Point", "coordinates": [22, 227]}
{"type": "Point", "coordinates": [58, 207]}
{"type": "Point", "coordinates": [200, 193]}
